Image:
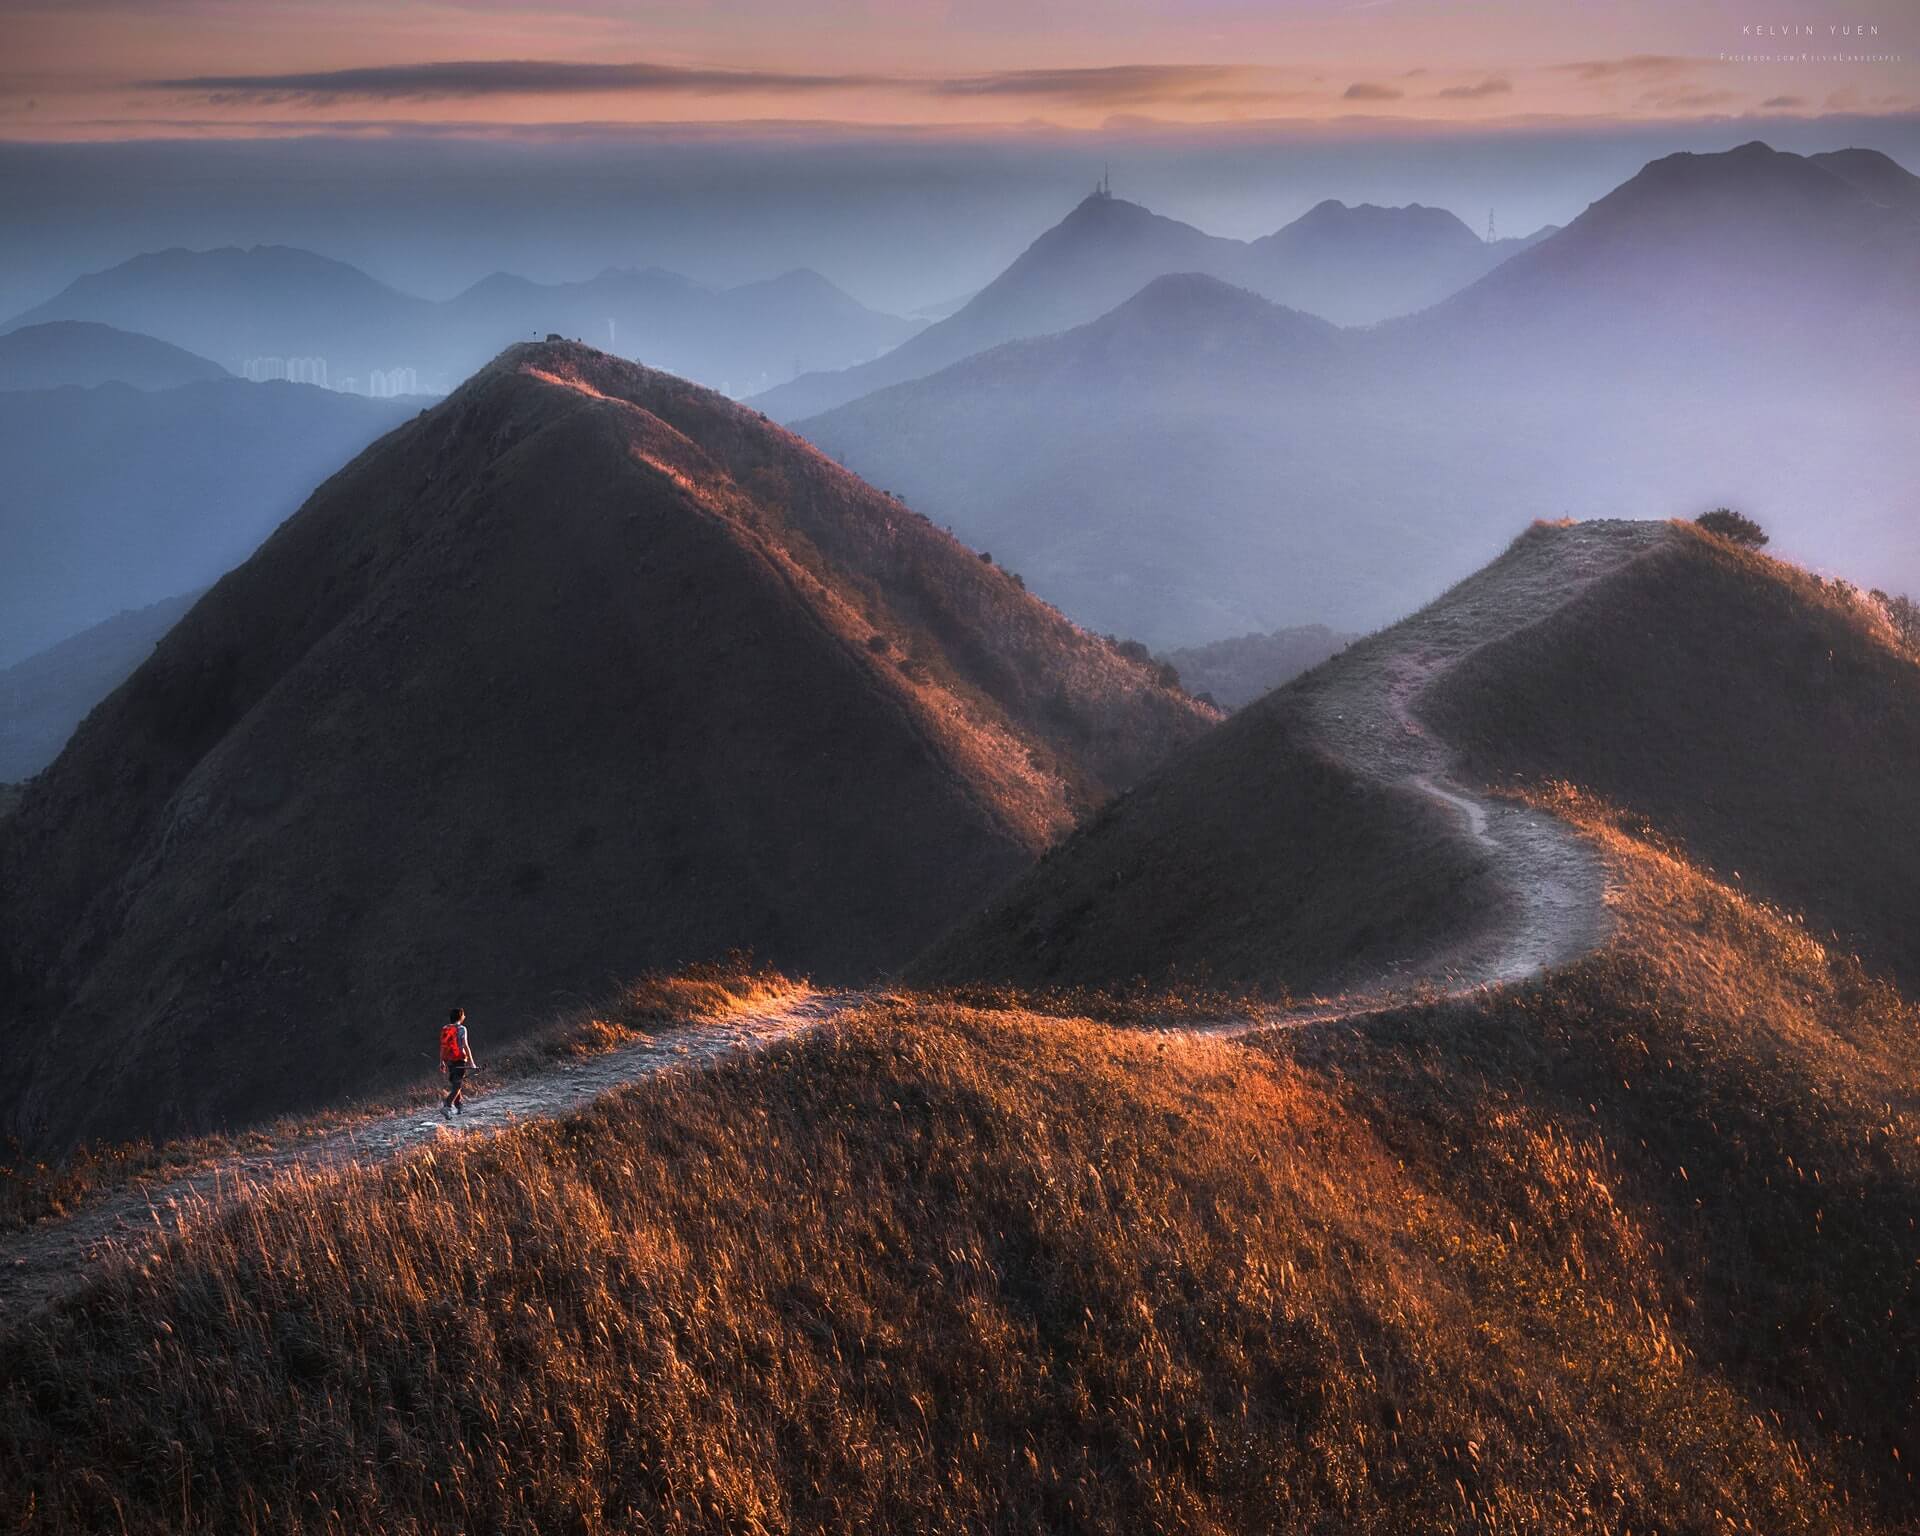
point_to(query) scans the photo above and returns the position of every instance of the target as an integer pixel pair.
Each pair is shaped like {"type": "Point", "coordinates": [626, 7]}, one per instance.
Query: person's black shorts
{"type": "Point", "coordinates": [454, 1075]}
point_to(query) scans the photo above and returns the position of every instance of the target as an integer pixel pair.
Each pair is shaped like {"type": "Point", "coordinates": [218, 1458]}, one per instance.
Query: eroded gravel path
{"type": "Point", "coordinates": [47, 1258]}
{"type": "Point", "coordinates": [1367, 715]}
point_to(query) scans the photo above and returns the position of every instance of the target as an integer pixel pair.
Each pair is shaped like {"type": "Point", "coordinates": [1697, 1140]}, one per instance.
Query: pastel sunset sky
{"type": "Point", "coordinates": [119, 69]}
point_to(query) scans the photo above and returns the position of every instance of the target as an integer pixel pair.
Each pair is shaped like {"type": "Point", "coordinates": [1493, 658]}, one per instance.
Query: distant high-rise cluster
{"type": "Point", "coordinates": [296, 370]}
{"type": "Point", "coordinates": [385, 383]}
{"type": "Point", "coordinates": [382, 383]}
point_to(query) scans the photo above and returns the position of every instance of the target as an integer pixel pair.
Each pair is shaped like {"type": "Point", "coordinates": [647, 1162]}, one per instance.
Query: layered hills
{"type": "Point", "coordinates": [82, 353]}
{"type": "Point", "coordinates": [115, 498]}
{"type": "Point", "coordinates": [1618, 366]}
{"type": "Point", "coordinates": [583, 672]}
{"type": "Point", "coordinates": [1346, 265]}
{"type": "Point", "coordinates": [275, 303]}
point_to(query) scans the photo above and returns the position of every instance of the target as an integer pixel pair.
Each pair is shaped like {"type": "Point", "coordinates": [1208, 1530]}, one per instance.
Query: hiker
{"type": "Point", "coordinates": [456, 1060]}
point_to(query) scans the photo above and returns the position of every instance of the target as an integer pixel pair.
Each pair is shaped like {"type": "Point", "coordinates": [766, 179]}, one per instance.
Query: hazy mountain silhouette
{"type": "Point", "coordinates": [114, 498]}
{"type": "Point", "coordinates": [740, 338]}
{"type": "Point", "coordinates": [1348, 265]}
{"type": "Point", "coordinates": [1355, 266]}
{"type": "Point", "coordinates": [1101, 254]}
{"type": "Point", "coordinates": [1879, 177]}
{"type": "Point", "coordinates": [278, 302]}
{"type": "Point", "coordinates": [1722, 328]}
{"type": "Point", "coordinates": [44, 697]}
{"type": "Point", "coordinates": [1235, 672]}
{"type": "Point", "coordinates": [584, 671]}
{"type": "Point", "coordinates": [1700, 263]}
{"type": "Point", "coordinates": [79, 352]}
{"type": "Point", "coordinates": [233, 304]}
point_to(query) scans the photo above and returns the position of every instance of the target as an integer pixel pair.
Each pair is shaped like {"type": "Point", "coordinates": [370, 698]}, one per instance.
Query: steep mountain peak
{"type": "Point", "coordinates": [1100, 255]}
{"type": "Point", "coordinates": [583, 672]}
{"type": "Point", "coordinates": [1099, 215]}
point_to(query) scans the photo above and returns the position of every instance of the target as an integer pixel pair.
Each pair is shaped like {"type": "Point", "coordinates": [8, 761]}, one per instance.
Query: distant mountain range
{"type": "Point", "coordinates": [113, 498]}
{"type": "Point", "coordinates": [291, 313]}
{"type": "Point", "coordinates": [1349, 265]}
{"type": "Point", "coordinates": [1741, 328]}
{"type": "Point", "coordinates": [1356, 266]}
{"type": "Point", "coordinates": [1235, 672]}
{"type": "Point", "coordinates": [1697, 263]}
{"type": "Point", "coordinates": [44, 697]}
{"type": "Point", "coordinates": [584, 671]}
{"type": "Point", "coordinates": [64, 353]}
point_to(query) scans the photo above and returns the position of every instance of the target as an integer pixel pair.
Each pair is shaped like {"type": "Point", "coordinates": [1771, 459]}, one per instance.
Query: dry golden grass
{"type": "Point", "coordinates": [33, 1190]}
{"type": "Point", "coordinates": [1633, 1250]}
{"type": "Point", "coordinates": [1743, 1094]}
{"type": "Point", "coordinates": [956, 1268]}
{"type": "Point", "coordinates": [696, 994]}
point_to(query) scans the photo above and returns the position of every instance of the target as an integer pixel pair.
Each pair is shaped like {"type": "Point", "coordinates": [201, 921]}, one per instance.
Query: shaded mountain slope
{"type": "Point", "coordinates": [44, 697]}
{"type": "Point", "coordinates": [583, 672]}
{"type": "Point", "coordinates": [1311, 842]}
{"type": "Point", "coordinates": [115, 498]}
{"type": "Point", "coordinates": [1769, 724]}
{"type": "Point", "coordinates": [82, 353]}
{"type": "Point", "coordinates": [1720, 698]}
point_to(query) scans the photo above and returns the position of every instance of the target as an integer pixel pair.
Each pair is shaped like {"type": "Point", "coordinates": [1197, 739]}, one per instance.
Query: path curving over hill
{"type": "Point", "coordinates": [1367, 715]}
{"type": "Point", "coordinates": [1362, 710]}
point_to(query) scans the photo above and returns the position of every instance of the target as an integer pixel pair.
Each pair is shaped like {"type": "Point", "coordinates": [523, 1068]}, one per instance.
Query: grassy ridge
{"type": "Point", "coordinates": [1769, 720]}
{"type": "Point", "coordinates": [33, 1190]}
{"type": "Point", "coordinates": [949, 1268]}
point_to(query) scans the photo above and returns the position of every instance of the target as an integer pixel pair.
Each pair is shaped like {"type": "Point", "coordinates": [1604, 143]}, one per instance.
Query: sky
{"type": "Point", "coordinates": [121, 69]}
{"type": "Point", "coordinates": [907, 149]}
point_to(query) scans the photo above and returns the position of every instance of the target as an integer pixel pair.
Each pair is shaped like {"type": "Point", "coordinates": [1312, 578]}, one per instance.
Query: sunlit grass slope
{"type": "Point", "coordinates": [1633, 1252]}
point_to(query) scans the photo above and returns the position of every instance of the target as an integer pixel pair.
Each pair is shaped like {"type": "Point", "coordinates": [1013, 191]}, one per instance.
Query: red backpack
{"type": "Point", "coordinates": [450, 1052]}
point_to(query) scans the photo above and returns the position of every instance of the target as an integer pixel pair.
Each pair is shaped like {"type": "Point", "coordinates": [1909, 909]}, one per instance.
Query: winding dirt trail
{"type": "Point", "coordinates": [45, 1259]}
{"type": "Point", "coordinates": [1366, 715]}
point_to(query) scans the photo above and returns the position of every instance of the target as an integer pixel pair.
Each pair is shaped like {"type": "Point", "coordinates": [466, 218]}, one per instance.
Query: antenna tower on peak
{"type": "Point", "coordinates": [1492, 234]}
